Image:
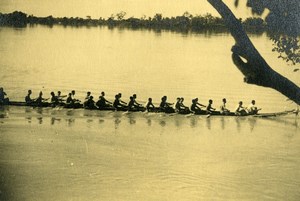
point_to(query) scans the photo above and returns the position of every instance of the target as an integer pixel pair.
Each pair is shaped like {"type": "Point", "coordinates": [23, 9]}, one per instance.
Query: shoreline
{"type": "Point", "coordinates": [185, 23]}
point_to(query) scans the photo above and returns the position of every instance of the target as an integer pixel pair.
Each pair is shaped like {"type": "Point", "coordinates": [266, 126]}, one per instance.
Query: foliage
{"type": "Point", "coordinates": [283, 23]}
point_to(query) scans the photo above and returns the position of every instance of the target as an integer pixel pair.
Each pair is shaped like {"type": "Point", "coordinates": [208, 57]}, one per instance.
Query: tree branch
{"type": "Point", "coordinates": [256, 70]}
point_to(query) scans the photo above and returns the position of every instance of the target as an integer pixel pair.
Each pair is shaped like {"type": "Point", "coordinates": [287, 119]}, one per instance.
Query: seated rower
{"type": "Point", "coordinates": [149, 106]}
{"type": "Point", "coordinates": [90, 103]}
{"type": "Point", "coordinates": [165, 106]}
{"type": "Point", "coordinates": [76, 102]}
{"type": "Point", "coordinates": [60, 97]}
{"type": "Point", "coordinates": [177, 105]}
{"type": "Point", "coordinates": [131, 105]}
{"type": "Point", "coordinates": [223, 109]}
{"type": "Point", "coordinates": [102, 102]}
{"type": "Point", "coordinates": [3, 97]}
{"type": "Point", "coordinates": [28, 99]}
{"type": "Point", "coordinates": [73, 97]}
{"type": "Point", "coordinates": [252, 109]}
{"type": "Point", "coordinates": [117, 104]}
{"type": "Point", "coordinates": [54, 99]}
{"type": "Point", "coordinates": [40, 101]}
{"type": "Point", "coordinates": [87, 98]}
{"type": "Point", "coordinates": [69, 102]}
{"type": "Point", "coordinates": [136, 103]}
{"type": "Point", "coordinates": [195, 107]}
{"type": "Point", "coordinates": [180, 107]}
{"type": "Point", "coordinates": [240, 110]}
{"type": "Point", "coordinates": [120, 96]}
{"type": "Point", "coordinates": [209, 108]}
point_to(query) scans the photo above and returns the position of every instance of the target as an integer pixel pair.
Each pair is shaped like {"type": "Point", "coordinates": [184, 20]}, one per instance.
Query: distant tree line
{"type": "Point", "coordinates": [184, 23]}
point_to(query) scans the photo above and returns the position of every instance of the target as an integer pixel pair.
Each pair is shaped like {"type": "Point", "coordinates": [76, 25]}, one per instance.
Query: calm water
{"type": "Point", "coordinates": [50, 154]}
{"type": "Point", "coordinates": [147, 63]}
{"type": "Point", "coordinates": [58, 154]}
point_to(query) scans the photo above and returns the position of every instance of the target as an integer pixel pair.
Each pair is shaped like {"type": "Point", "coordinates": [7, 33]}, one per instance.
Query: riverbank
{"type": "Point", "coordinates": [184, 23]}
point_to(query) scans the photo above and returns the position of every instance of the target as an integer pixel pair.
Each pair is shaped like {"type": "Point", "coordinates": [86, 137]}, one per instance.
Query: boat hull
{"type": "Point", "coordinates": [155, 110]}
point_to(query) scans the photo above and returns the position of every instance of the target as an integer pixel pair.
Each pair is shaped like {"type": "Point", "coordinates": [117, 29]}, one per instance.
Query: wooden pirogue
{"type": "Point", "coordinates": [156, 110]}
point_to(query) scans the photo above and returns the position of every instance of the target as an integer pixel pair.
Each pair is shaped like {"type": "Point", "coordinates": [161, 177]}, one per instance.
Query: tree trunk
{"type": "Point", "coordinates": [256, 70]}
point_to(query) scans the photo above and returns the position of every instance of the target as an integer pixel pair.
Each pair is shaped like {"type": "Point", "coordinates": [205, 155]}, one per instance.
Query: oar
{"type": "Point", "coordinates": [189, 115]}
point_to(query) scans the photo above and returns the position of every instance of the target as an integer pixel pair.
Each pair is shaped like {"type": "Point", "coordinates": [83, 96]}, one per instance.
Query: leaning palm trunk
{"type": "Point", "coordinates": [256, 70]}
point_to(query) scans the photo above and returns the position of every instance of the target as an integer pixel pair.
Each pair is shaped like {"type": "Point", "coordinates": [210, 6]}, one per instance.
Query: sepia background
{"type": "Point", "coordinates": [60, 154]}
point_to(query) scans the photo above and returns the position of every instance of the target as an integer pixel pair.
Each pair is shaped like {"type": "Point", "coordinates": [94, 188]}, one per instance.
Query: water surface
{"type": "Point", "coordinates": [59, 154]}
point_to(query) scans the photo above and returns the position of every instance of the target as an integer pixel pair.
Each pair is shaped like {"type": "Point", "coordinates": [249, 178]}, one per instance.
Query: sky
{"type": "Point", "coordinates": [104, 8]}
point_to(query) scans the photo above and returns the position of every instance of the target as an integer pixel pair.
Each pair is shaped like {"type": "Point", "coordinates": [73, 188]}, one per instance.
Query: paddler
{"type": "Point", "coordinates": [149, 106]}
{"type": "Point", "coordinates": [3, 97]}
{"type": "Point", "coordinates": [195, 106]}
{"type": "Point", "coordinates": [240, 110]}
{"type": "Point", "coordinates": [209, 107]}
{"type": "Point", "coordinates": [102, 102]}
{"type": "Point", "coordinates": [135, 102]}
{"type": "Point", "coordinates": [54, 99]}
{"type": "Point", "coordinates": [120, 96]}
{"type": "Point", "coordinates": [252, 109]}
{"type": "Point", "coordinates": [40, 101]}
{"type": "Point", "coordinates": [223, 109]}
{"type": "Point", "coordinates": [164, 106]}
{"type": "Point", "coordinates": [87, 98]}
{"type": "Point", "coordinates": [117, 104]}
{"type": "Point", "coordinates": [28, 99]}
{"type": "Point", "coordinates": [90, 103]}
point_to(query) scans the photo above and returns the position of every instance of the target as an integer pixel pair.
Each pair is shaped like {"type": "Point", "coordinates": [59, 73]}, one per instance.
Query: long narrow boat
{"type": "Point", "coordinates": [203, 112]}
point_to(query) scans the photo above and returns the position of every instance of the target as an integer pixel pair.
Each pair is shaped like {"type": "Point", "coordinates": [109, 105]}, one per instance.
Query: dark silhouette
{"type": "Point", "coordinates": [3, 97]}
{"type": "Point", "coordinates": [60, 97]}
{"type": "Point", "coordinates": [54, 99]}
{"type": "Point", "coordinates": [149, 106]}
{"type": "Point", "coordinates": [282, 22]}
{"type": "Point", "coordinates": [117, 103]}
{"type": "Point", "coordinates": [180, 107]}
{"type": "Point", "coordinates": [252, 109]}
{"type": "Point", "coordinates": [90, 103]}
{"type": "Point", "coordinates": [102, 102]}
{"type": "Point", "coordinates": [165, 106]}
{"type": "Point", "coordinates": [209, 108]}
{"type": "Point", "coordinates": [184, 23]}
{"type": "Point", "coordinates": [87, 98]}
{"type": "Point", "coordinates": [240, 110]}
{"type": "Point", "coordinates": [196, 107]}
{"type": "Point", "coordinates": [40, 101]}
{"type": "Point", "coordinates": [28, 99]}
{"type": "Point", "coordinates": [71, 102]}
{"type": "Point", "coordinates": [133, 105]}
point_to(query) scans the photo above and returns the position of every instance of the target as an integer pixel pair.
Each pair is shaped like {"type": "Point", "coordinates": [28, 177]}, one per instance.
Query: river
{"type": "Point", "coordinates": [62, 154]}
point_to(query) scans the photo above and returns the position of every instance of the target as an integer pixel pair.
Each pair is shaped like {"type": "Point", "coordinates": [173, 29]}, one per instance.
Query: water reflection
{"type": "Point", "coordinates": [222, 123]}
{"type": "Point", "coordinates": [162, 122]}
{"type": "Point", "coordinates": [117, 122]}
{"type": "Point", "coordinates": [70, 121]}
{"type": "Point", "coordinates": [208, 123]}
{"type": "Point", "coordinates": [40, 120]}
{"type": "Point", "coordinates": [70, 112]}
{"type": "Point", "coordinates": [4, 111]}
{"type": "Point", "coordinates": [149, 122]}
{"type": "Point", "coordinates": [54, 119]}
{"type": "Point", "coordinates": [193, 122]}
{"type": "Point", "coordinates": [131, 119]}
{"type": "Point", "coordinates": [252, 122]}
{"type": "Point", "coordinates": [180, 122]}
